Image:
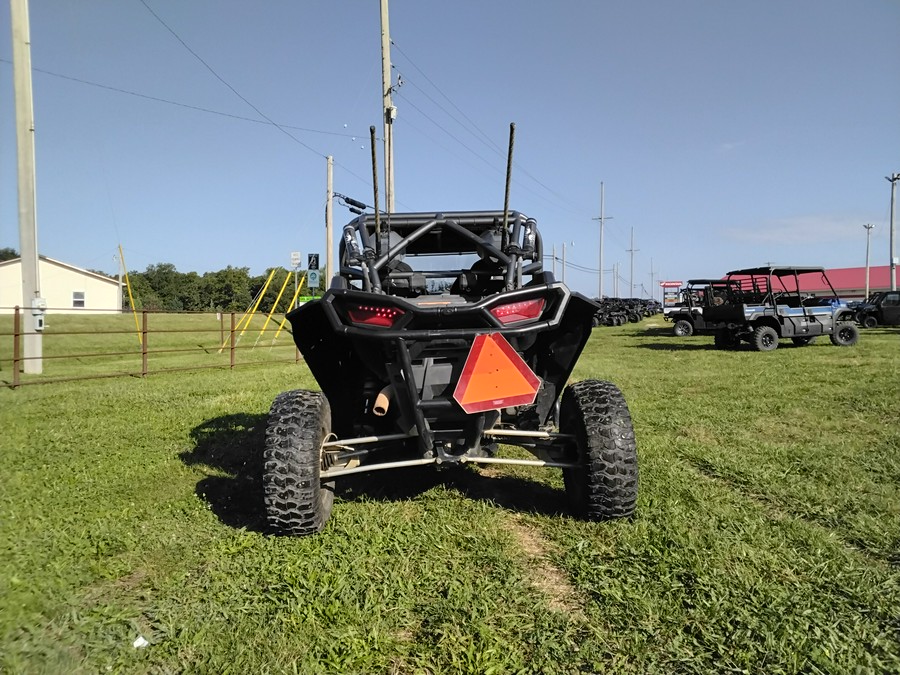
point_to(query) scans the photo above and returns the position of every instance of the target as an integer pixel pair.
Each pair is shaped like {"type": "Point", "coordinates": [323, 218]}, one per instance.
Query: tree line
{"type": "Point", "coordinates": [233, 289]}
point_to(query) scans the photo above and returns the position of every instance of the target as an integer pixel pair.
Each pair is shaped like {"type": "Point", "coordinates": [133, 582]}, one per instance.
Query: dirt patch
{"type": "Point", "coordinates": [543, 575]}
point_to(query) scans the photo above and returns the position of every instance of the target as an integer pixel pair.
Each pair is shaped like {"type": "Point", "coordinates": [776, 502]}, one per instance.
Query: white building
{"type": "Point", "coordinates": [67, 289]}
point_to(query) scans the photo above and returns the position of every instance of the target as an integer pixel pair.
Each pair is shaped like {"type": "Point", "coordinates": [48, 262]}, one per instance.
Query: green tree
{"type": "Point", "coordinates": [8, 254]}
{"type": "Point", "coordinates": [227, 290]}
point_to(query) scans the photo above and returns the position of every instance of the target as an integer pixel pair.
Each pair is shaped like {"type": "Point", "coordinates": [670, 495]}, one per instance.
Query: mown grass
{"type": "Point", "coordinates": [767, 537]}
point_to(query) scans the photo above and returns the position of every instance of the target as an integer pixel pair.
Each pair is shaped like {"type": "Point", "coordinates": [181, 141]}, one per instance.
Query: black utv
{"type": "Point", "coordinates": [441, 338]}
{"type": "Point", "coordinates": [688, 317]}
{"type": "Point", "coordinates": [881, 309]}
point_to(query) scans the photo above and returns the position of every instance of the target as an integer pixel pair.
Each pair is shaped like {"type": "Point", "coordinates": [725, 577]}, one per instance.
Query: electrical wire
{"type": "Point", "coordinates": [484, 138]}
{"type": "Point", "coordinates": [184, 105]}
{"type": "Point", "coordinates": [223, 81]}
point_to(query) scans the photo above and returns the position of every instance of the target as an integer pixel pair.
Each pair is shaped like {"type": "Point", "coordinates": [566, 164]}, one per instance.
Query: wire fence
{"type": "Point", "coordinates": [113, 344]}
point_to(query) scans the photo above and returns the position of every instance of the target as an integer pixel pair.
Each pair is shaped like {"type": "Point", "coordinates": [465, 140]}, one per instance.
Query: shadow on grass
{"type": "Point", "coordinates": [658, 331]}
{"type": "Point", "coordinates": [675, 346]}
{"type": "Point", "coordinates": [508, 492]}
{"type": "Point", "coordinates": [233, 444]}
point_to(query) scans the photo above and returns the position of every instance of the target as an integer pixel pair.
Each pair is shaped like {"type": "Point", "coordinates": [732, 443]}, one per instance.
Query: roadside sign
{"type": "Point", "coordinates": [313, 259]}
{"type": "Point", "coordinates": [671, 284]}
{"type": "Point", "coordinates": [312, 279]}
{"type": "Point", "coordinates": [295, 259]}
{"type": "Point", "coordinates": [494, 376]}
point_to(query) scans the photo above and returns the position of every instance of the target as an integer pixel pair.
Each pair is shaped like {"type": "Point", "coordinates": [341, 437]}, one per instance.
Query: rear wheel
{"type": "Point", "coordinates": [803, 340]}
{"type": "Point", "coordinates": [869, 321]}
{"type": "Point", "coordinates": [683, 328]}
{"type": "Point", "coordinates": [845, 335]}
{"type": "Point", "coordinates": [296, 501]}
{"type": "Point", "coordinates": [765, 339]}
{"type": "Point", "coordinates": [605, 482]}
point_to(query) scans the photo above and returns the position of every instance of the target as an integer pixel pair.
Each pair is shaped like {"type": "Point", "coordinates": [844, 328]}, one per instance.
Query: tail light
{"type": "Point", "coordinates": [373, 315]}
{"type": "Point", "coordinates": [524, 310]}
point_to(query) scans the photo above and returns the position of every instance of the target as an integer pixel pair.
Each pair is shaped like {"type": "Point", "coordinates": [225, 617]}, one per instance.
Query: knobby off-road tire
{"type": "Point", "coordinates": [869, 321]}
{"type": "Point", "coordinates": [845, 335]}
{"type": "Point", "coordinates": [803, 340]}
{"type": "Point", "coordinates": [604, 485]}
{"type": "Point", "coordinates": [683, 328]}
{"type": "Point", "coordinates": [296, 501]}
{"type": "Point", "coordinates": [764, 339]}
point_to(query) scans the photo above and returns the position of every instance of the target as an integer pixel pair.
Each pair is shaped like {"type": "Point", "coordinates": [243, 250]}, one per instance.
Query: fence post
{"type": "Point", "coordinates": [231, 338]}
{"type": "Point", "coordinates": [17, 329]}
{"type": "Point", "coordinates": [144, 370]}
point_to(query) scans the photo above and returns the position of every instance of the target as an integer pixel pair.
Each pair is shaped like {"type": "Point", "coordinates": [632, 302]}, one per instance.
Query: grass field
{"type": "Point", "coordinates": [113, 344]}
{"type": "Point", "coordinates": [767, 536]}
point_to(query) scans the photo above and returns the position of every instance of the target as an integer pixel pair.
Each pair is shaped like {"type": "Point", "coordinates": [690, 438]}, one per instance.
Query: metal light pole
{"type": "Point", "coordinates": [868, 236]}
{"type": "Point", "coordinates": [893, 180]}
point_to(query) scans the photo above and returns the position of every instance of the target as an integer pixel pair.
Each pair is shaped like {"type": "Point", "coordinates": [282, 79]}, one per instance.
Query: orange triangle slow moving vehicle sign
{"type": "Point", "coordinates": [494, 377]}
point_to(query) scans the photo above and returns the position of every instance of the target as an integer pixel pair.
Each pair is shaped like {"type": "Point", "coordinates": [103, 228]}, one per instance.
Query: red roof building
{"type": "Point", "coordinates": [850, 282]}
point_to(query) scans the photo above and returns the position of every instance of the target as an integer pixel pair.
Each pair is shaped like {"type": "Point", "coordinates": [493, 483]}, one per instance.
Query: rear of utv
{"type": "Point", "coordinates": [440, 339]}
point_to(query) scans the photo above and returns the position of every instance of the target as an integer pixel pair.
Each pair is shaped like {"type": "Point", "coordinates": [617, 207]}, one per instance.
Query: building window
{"type": "Point", "coordinates": [78, 299]}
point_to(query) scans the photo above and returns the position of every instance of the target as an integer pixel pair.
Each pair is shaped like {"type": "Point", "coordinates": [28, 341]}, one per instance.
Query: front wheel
{"type": "Point", "coordinates": [845, 335]}
{"type": "Point", "coordinates": [604, 483]}
{"type": "Point", "coordinates": [869, 321]}
{"type": "Point", "coordinates": [296, 500]}
{"type": "Point", "coordinates": [683, 328]}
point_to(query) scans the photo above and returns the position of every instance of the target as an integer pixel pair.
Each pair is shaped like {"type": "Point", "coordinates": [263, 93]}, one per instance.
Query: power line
{"type": "Point", "coordinates": [186, 105]}
{"type": "Point", "coordinates": [485, 139]}
{"type": "Point", "coordinates": [223, 81]}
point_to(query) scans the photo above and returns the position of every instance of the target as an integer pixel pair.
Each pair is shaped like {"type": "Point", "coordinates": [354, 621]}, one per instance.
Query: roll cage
{"type": "Point", "coordinates": [374, 248]}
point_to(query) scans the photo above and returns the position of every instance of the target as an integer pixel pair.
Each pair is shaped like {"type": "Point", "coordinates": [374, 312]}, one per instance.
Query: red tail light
{"type": "Point", "coordinates": [372, 315]}
{"type": "Point", "coordinates": [518, 311]}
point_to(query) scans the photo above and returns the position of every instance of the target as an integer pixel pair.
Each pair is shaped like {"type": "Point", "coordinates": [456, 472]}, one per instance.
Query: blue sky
{"type": "Point", "coordinates": [727, 134]}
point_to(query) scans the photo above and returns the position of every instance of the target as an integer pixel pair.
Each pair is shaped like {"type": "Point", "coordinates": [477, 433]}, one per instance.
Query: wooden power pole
{"type": "Point", "coordinates": [31, 282]}
{"type": "Point", "coordinates": [390, 112]}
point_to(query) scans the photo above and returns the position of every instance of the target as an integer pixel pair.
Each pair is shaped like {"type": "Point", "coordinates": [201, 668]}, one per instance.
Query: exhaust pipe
{"type": "Point", "coordinates": [383, 401]}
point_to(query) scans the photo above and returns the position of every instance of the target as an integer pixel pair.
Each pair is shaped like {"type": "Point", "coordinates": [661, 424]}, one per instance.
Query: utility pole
{"type": "Point", "coordinates": [652, 287]}
{"type": "Point", "coordinates": [390, 112]}
{"type": "Point", "coordinates": [893, 180]}
{"type": "Point", "coordinates": [631, 279]}
{"type": "Point", "coordinates": [31, 280]}
{"type": "Point", "coordinates": [564, 263]}
{"type": "Point", "coordinates": [616, 279]}
{"type": "Point", "coordinates": [329, 224]}
{"type": "Point", "coordinates": [602, 220]}
{"type": "Point", "coordinates": [868, 236]}
{"type": "Point", "coordinates": [554, 261]}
